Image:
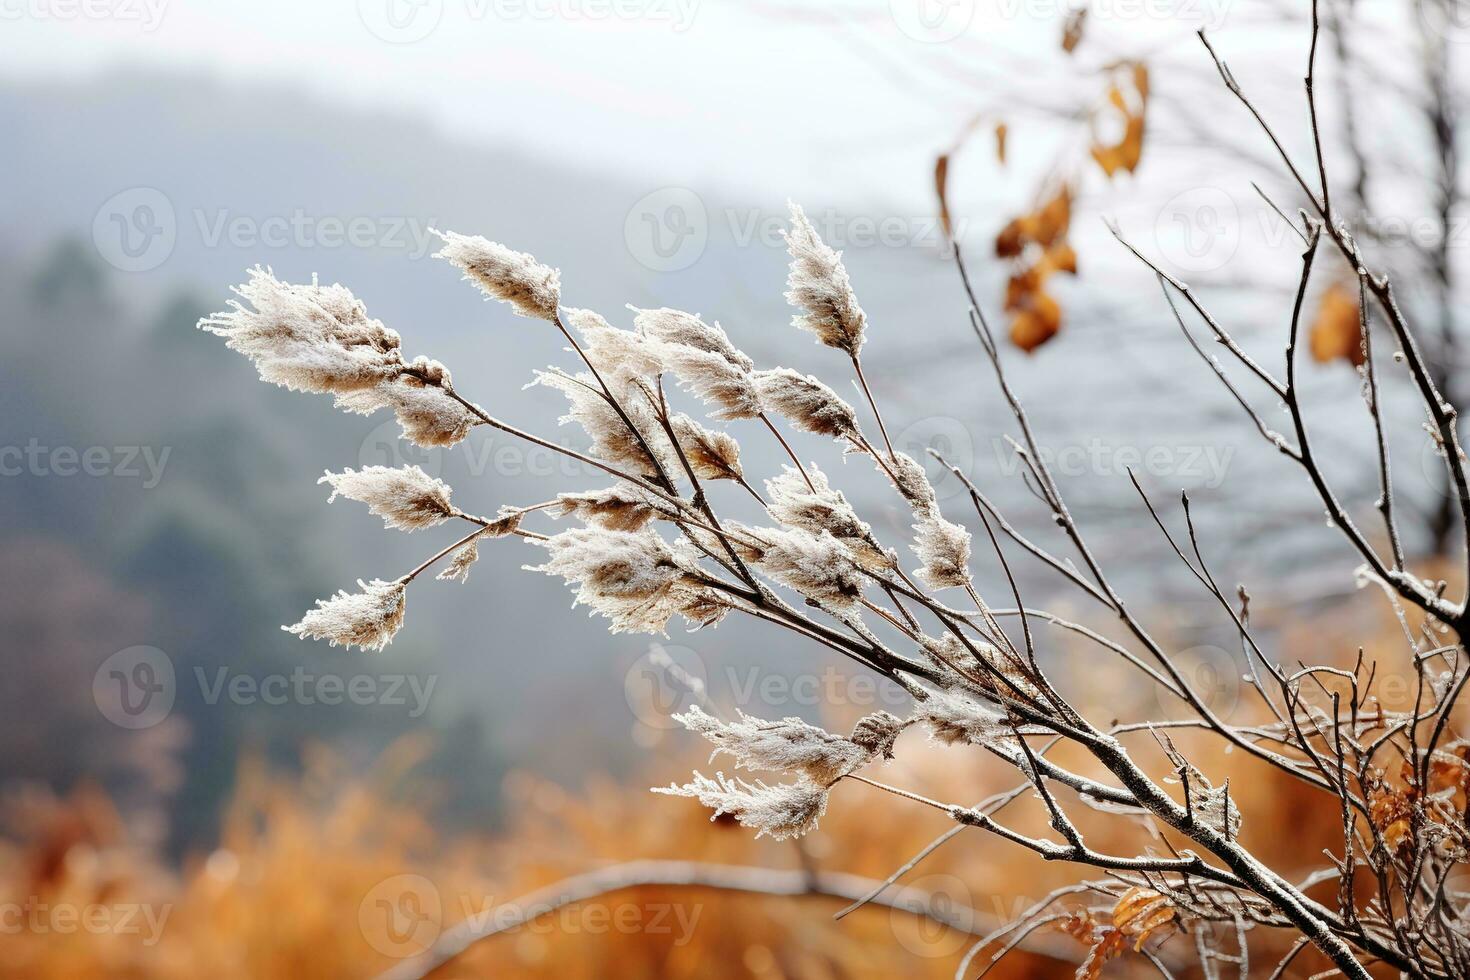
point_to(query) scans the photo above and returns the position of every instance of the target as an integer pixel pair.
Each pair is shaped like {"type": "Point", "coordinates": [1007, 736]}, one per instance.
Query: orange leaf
{"type": "Point", "coordinates": [941, 182]}
{"type": "Point", "coordinates": [1072, 29]}
{"type": "Point", "coordinates": [1337, 333]}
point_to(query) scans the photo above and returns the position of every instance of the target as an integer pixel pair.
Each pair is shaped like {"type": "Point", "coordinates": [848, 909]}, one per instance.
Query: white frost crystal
{"type": "Point", "coordinates": [789, 745]}
{"type": "Point", "coordinates": [532, 289]}
{"type": "Point", "coordinates": [405, 497]}
{"type": "Point", "coordinates": [818, 284]}
{"type": "Point", "coordinates": [366, 619]}
{"type": "Point", "coordinates": [781, 812]}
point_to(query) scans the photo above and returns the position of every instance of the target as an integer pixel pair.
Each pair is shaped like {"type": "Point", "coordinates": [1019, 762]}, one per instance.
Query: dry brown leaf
{"type": "Point", "coordinates": [1001, 131]}
{"type": "Point", "coordinates": [1072, 29]}
{"type": "Point", "coordinates": [941, 187]}
{"type": "Point", "coordinates": [1336, 333]}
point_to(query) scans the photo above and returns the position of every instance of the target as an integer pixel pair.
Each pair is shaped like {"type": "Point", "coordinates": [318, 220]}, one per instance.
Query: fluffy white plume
{"type": "Point", "coordinates": [680, 329]}
{"type": "Point", "coordinates": [944, 549]}
{"type": "Point", "coordinates": [532, 289]}
{"type": "Point", "coordinates": [789, 745]}
{"type": "Point", "coordinates": [953, 717]}
{"type": "Point", "coordinates": [701, 356]}
{"type": "Point", "coordinates": [712, 455]}
{"type": "Point", "coordinates": [427, 415]}
{"type": "Point", "coordinates": [816, 565]}
{"type": "Point", "coordinates": [912, 483]}
{"type": "Point", "coordinates": [818, 284]}
{"type": "Point", "coordinates": [630, 577]}
{"type": "Point", "coordinates": [620, 507]}
{"type": "Point", "coordinates": [876, 733]}
{"type": "Point", "coordinates": [307, 338]}
{"type": "Point", "coordinates": [612, 441]}
{"type": "Point", "coordinates": [620, 356]}
{"type": "Point", "coordinates": [807, 403]}
{"type": "Point", "coordinates": [458, 569]}
{"type": "Point", "coordinates": [783, 811]}
{"type": "Point", "coordinates": [366, 619]}
{"type": "Point", "coordinates": [715, 381]}
{"type": "Point", "coordinates": [404, 496]}
{"type": "Point", "coordinates": [818, 508]}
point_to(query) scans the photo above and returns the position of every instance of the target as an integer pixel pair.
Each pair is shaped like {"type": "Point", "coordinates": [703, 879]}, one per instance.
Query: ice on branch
{"type": "Point", "coordinates": [307, 338]}
{"type": "Point", "coordinates": [819, 285]}
{"type": "Point", "coordinates": [404, 497]}
{"type": "Point", "coordinates": [532, 289]}
{"type": "Point", "coordinates": [366, 619]}
{"type": "Point", "coordinates": [944, 549]}
{"type": "Point", "coordinates": [712, 455]}
{"type": "Point", "coordinates": [816, 565]}
{"type": "Point", "coordinates": [818, 507]}
{"type": "Point", "coordinates": [622, 357]}
{"type": "Point", "coordinates": [630, 577]}
{"type": "Point", "coordinates": [807, 403]}
{"type": "Point", "coordinates": [611, 439]}
{"type": "Point", "coordinates": [781, 812]}
{"type": "Point", "coordinates": [789, 745]}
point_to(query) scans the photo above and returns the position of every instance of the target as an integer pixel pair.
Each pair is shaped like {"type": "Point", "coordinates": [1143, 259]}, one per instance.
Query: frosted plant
{"type": "Point", "coordinates": [818, 285]}
{"type": "Point", "coordinates": [404, 497]}
{"type": "Point", "coordinates": [530, 288]}
{"type": "Point", "coordinates": [780, 812]}
{"type": "Point", "coordinates": [789, 745]}
{"type": "Point", "coordinates": [366, 619]}
{"type": "Point", "coordinates": [656, 543]}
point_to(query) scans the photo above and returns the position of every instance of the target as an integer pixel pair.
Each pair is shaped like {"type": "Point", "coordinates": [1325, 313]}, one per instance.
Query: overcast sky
{"type": "Point", "coordinates": [832, 99]}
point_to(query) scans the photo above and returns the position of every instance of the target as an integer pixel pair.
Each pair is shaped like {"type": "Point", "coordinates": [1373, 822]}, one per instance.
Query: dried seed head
{"type": "Point", "coordinates": [458, 569]}
{"type": "Point", "coordinates": [944, 549]}
{"type": "Point", "coordinates": [632, 578]}
{"type": "Point", "coordinates": [712, 455]}
{"type": "Point", "coordinates": [876, 733]}
{"type": "Point", "coordinates": [620, 507]}
{"type": "Point", "coordinates": [620, 356]}
{"type": "Point", "coordinates": [818, 284]}
{"type": "Point", "coordinates": [807, 403]}
{"type": "Point", "coordinates": [366, 619]}
{"type": "Point", "coordinates": [954, 717]}
{"type": "Point", "coordinates": [789, 745]}
{"type": "Point", "coordinates": [532, 289]}
{"type": "Point", "coordinates": [680, 329]}
{"type": "Point", "coordinates": [783, 811]}
{"type": "Point", "coordinates": [715, 380]}
{"type": "Point", "coordinates": [427, 415]}
{"type": "Point", "coordinates": [307, 338]}
{"type": "Point", "coordinates": [818, 508]}
{"type": "Point", "coordinates": [612, 441]}
{"type": "Point", "coordinates": [912, 483]}
{"type": "Point", "coordinates": [816, 565]}
{"type": "Point", "coordinates": [404, 497]}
